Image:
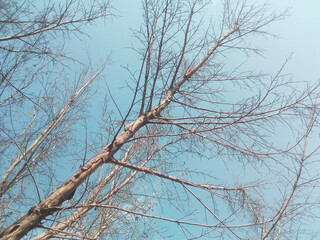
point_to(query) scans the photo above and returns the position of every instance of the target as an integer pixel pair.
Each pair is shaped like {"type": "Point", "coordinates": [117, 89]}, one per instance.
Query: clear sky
{"type": "Point", "coordinates": [299, 34]}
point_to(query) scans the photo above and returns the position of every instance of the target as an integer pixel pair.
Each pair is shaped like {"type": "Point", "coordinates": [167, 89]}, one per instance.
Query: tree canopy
{"type": "Point", "coordinates": [197, 143]}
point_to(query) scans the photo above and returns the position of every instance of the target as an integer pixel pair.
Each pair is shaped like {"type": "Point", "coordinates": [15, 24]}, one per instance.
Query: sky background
{"type": "Point", "coordinates": [299, 35]}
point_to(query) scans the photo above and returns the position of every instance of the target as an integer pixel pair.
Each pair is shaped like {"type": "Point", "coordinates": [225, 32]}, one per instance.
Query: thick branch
{"type": "Point", "coordinates": [174, 179]}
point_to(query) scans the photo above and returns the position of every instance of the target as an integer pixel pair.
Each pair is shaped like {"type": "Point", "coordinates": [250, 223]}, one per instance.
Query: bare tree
{"type": "Point", "coordinates": [189, 112]}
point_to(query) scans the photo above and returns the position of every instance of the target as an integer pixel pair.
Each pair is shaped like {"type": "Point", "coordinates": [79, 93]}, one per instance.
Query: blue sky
{"type": "Point", "coordinates": [299, 34]}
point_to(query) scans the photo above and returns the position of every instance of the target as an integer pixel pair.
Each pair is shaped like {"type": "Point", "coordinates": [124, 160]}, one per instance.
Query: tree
{"type": "Point", "coordinates": [188, 109]}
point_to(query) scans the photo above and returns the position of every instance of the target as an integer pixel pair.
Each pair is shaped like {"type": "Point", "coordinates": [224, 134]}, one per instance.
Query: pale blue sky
{"type": "Point", "coordinates": [299, 34]}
